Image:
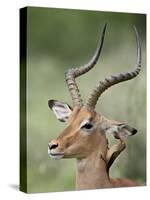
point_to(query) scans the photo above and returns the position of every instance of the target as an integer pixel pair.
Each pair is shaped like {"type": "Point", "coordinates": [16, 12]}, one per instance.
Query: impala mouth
{"type": "Point", "coordinates": [55, 155]}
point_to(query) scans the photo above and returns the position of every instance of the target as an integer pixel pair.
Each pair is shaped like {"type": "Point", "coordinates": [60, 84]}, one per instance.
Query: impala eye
{"type": "Point", "coordinates": [87, 126]}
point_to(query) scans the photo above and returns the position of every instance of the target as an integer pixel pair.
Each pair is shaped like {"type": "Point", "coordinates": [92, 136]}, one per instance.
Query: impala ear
{"type": "Point", "coordinates": [118, 130]}
{"type": "Point", "coordinates": [61, 110]}
{"type": "Point", "coordinates": [125, 130]}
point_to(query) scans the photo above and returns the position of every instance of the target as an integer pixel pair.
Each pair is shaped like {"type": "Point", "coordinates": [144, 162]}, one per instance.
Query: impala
{"type": "Point", "coordinates": [85, 137]}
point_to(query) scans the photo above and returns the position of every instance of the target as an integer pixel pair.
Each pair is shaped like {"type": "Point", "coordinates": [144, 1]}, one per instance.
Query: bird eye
{"type": "Point", "coordinates": [87, 126]}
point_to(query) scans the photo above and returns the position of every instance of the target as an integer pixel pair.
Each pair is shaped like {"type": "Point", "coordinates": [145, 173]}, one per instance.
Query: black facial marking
{"type": "Point", "coordinates": [51, 103]}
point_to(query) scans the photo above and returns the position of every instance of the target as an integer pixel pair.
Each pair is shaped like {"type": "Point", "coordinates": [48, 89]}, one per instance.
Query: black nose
{"type": "Point", "coordinates": [53, 146]}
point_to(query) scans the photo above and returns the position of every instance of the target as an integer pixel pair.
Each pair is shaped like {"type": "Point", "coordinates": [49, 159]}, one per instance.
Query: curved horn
{"type": "Point", "coordinates": [114, 79]}
{"type": "Point", "coordinates": [71, 74]}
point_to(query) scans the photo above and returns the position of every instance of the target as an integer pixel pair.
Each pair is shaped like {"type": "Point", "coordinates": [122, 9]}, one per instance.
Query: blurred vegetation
{"type": "Point", "coordinates": [58, 39]}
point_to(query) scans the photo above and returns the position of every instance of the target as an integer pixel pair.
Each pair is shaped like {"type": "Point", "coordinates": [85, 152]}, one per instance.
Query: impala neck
{"type": "Point", "coordinates": [91, 171]}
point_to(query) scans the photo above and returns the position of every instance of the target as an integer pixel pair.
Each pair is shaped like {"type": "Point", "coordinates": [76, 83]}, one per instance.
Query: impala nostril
{"type": "Point", "coordinates": [52, 146]}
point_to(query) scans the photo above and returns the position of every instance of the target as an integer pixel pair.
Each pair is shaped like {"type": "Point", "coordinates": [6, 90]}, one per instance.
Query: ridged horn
{"type": "Point", "coordinates": [73, 73]}
{"type": "Point", "coordinates": [118, 78]}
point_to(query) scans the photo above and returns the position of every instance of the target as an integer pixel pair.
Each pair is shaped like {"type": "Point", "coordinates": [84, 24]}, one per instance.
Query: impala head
{"type": "Point", "coordinates": [86, 129]}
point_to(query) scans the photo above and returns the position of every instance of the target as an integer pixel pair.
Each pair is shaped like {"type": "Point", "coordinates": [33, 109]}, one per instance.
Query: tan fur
{"type": "Point", "coordinates": [90, 150]}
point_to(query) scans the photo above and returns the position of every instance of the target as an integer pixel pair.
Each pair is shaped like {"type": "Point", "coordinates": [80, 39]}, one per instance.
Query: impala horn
{"type": "Point", "coordinates": [114, 79]}
{"type": "Point", "coordinates": [73, 73]}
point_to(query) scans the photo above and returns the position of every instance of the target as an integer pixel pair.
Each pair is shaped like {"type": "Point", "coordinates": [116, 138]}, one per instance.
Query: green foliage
{"type": "Point", "coordinates": [57, 40]}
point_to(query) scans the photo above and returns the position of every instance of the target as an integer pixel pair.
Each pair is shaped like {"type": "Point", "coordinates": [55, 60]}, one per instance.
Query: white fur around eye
{"type": "Point", "coordinates": [85, 130]}
{"type": "Point", "coordinates": [83, 123]}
